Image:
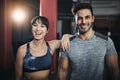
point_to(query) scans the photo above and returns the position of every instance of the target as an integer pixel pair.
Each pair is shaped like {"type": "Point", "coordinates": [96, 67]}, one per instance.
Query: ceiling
{"type": "Point", "coordinates": [101, 8]}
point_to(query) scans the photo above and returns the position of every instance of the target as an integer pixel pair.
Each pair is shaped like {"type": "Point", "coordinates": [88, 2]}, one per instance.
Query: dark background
{"type": "Point", "coordinates": [107, 14]}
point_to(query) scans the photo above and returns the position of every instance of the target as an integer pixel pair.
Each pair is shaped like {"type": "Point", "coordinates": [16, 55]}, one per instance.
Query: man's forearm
{"type": "Point", "coordinates": [116, 75]}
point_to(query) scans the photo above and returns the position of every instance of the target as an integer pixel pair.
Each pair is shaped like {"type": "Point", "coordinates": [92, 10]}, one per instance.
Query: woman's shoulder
{"type": "Point", "coordinates": [22, 49]}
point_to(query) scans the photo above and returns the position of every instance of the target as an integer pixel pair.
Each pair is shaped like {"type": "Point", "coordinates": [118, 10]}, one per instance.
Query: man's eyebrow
{"type": "Point", "coordinates": [79, 17]}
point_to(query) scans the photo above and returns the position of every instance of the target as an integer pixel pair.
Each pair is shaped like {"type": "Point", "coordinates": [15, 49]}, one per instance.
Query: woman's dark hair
{"type": "Point", "coordinates": [80, 6]}
{"type": "Point", "coordinates": [43, 19]}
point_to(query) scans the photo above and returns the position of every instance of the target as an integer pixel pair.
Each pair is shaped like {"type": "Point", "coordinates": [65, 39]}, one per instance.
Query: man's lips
{"type": "Point", "coordinates": [83, 26]}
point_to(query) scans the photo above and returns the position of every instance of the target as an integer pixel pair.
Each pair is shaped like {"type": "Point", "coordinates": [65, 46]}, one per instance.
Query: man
{"type": "Point", "coordinates": [90, 52]}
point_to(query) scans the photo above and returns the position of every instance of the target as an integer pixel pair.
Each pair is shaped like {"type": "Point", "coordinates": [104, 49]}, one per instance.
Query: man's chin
{"type": "Point", "coordinates": [82, 32]}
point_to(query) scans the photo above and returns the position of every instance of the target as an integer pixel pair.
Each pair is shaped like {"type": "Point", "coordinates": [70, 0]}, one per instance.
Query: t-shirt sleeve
{"type": "Point", "coordinates": [110, 47]}
{"type": "Point", "coordinates": [63, 54]}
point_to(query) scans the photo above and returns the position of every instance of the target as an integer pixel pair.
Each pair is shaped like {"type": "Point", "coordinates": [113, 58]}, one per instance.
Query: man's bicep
{"type": "Point", "coordinates": [112, 61]}
{"type": "Point", "coordinates": [113, 67]}
{"type": "Point", "coordinates": [63, 68]}
{"type": "Point", "coordinates": [64, 63]}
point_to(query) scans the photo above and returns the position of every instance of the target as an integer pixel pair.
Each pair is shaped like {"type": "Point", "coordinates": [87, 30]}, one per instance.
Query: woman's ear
{"type": "Point", "coordinates": [47, 31]}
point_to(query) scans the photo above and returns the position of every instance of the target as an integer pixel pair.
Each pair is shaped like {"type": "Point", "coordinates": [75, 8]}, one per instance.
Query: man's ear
{"type": "Point", "coordinates": [93, 18]}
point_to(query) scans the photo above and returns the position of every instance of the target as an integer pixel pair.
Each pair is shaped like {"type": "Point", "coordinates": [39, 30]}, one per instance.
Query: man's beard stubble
{"type": "Point", "coordinates": [83, 32]}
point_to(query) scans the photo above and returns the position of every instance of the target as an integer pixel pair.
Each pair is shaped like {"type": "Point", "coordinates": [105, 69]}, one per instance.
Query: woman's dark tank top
{"type": "Point", "coordinates": [32, 63]}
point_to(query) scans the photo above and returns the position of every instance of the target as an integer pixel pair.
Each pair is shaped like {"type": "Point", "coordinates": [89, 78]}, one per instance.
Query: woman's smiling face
{"type": "Point", "coordinates": [39, 30]}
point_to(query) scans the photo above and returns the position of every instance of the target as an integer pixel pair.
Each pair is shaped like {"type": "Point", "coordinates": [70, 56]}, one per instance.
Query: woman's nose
{"type": "Point", "coordinates": [38, 28]}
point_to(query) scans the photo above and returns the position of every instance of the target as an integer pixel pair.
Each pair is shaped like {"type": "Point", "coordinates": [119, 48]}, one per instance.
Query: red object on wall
{"type": "Point", "coordinates": [48, 8]}
{"type": "Point", "coordinates": [5, 34]}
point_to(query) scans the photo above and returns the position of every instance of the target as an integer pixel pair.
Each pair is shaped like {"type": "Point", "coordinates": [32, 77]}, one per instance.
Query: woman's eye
{"type": "Point", "coordinates": [43, 26]}
{"type": "Point", "coordinates": [34, 25]}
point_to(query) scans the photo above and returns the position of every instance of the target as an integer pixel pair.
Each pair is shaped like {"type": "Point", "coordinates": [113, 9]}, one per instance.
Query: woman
{"type": "Point", "coordinates": [34, 58]}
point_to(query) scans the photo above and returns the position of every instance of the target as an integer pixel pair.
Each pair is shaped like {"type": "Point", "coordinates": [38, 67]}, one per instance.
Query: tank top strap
{"type": "Point", "coordinates": [49, 47]}
{"type": "Point", "coordinates": [28, 48]}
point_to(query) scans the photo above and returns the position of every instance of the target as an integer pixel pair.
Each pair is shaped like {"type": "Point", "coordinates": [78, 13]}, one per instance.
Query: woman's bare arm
{"type": "Point", "coordinates": [65, 42]}
{"type": "Point", "coordinates": [19, 63]}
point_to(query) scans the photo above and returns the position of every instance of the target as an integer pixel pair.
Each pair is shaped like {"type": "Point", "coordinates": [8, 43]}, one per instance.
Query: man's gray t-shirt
{"type": "Point", "coordinates": [87, 56]}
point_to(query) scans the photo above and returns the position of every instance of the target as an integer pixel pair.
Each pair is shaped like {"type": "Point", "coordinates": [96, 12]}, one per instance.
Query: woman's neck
{"type": "Point", "coordinates": [37, 43]}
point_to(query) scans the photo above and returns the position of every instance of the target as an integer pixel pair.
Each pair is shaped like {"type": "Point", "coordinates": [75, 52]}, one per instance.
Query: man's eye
{"type": "Point", "coordinates": [87, 17]}
{"type": "Point", "coordinates": [79, 18]}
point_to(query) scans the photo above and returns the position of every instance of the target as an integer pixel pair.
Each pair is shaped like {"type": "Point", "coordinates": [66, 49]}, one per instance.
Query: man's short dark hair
{"type": "Point", "coordinates": [80, 6]}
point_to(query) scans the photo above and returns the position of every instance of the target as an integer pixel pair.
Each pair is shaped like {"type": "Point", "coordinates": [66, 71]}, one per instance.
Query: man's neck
{"type": "Point", "coordinates": [87, 35]}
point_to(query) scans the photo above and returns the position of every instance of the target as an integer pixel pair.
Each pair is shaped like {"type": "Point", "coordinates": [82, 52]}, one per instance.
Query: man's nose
{"type": "Point", "coordinates": [83, 20]}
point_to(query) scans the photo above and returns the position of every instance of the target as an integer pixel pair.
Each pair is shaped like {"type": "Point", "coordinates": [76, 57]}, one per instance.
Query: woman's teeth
{"type": "Point", "coordinates": [38, 33]}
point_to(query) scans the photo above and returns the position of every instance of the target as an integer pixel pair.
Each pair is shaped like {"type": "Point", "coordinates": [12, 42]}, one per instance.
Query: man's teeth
{"type": "Point", "coordinates": [83, 26]}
